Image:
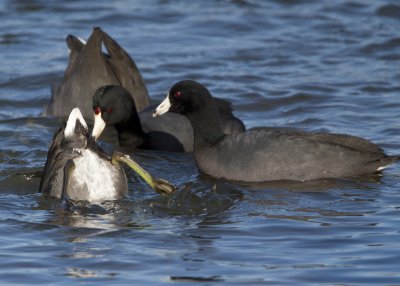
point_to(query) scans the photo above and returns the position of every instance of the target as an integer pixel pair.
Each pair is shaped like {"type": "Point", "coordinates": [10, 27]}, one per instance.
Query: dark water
{"type": "Point", "coordinates": [315, 65]}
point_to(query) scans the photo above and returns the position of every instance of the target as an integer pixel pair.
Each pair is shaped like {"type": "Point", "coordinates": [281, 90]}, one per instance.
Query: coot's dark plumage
{"type": "Point", "coordinates": [88, 69]}
{"type": "Point", "coordinates": [113, 106]}
{"type": "Point", "coordinates": [265, 155]}
{"type": "Point", "coordinates": [78, 169]}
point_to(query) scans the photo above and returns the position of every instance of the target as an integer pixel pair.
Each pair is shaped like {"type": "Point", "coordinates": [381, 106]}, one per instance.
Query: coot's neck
{"type": "Point", "coordinates": [206, 126]}
{"type": "Point", "coordinates": [130, 132]}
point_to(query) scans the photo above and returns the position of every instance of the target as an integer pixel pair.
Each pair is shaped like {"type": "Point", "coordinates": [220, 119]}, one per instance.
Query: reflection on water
{"type": "Point", "coordinates": [196, 199]}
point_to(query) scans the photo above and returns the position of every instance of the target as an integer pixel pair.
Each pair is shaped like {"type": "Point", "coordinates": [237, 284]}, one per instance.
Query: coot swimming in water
{"type": "Point", "coordinates": [265, 155]}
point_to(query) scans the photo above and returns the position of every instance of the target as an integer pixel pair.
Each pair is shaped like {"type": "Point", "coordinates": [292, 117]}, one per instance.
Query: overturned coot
{"type": "Point", "coordinates": [78, 169]}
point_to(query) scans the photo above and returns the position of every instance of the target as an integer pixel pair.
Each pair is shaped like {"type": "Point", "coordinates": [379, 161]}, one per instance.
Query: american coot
{"type": "Point", "coordinates": [113, 106]}
{"type": "Point", "coordinates": [78, 169]}
{"type": "Point", "coordinates": [88, 69]}
{"type": "Point", "coordinates": [265, 155]}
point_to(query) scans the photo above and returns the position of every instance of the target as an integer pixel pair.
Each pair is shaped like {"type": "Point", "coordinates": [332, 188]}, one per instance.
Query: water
{"type": "Point", "coordinates": [314, 65]}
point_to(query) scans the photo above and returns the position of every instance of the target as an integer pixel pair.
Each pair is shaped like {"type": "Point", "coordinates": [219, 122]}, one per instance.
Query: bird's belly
{"type": "Point", "coordinates": [95, 179]}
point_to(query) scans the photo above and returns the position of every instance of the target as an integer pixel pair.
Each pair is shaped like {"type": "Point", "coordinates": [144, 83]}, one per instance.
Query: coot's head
{"type": "Point", "coordinates": [112, 105]}
{"type": "Point", "coordinates": [186, 96]}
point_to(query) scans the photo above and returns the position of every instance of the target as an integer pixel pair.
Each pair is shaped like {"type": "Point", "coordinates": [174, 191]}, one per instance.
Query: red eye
{"type": "Point", "coordinates": [109, 110]}
{"type": "Point", "coordinates": [177, 94]}
{"type": "Point", "coordinates": [97, 110]}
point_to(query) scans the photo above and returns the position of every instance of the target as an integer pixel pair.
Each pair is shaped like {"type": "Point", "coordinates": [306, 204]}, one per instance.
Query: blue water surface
{"type": "Point", "coordinates": [316, 65]}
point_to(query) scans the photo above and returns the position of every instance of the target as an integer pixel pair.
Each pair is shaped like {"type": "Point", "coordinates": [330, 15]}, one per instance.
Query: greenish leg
{"type": "Point", "coordinates": [159, 185]}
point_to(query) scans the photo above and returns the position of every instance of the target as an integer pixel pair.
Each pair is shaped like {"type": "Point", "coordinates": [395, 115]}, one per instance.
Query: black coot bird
{"type": "Point", "coordinates": [114, 106]}
{"type": "Point", "coordinates": [88, 69]}
{"type": "Point", "coordinates": [265, 155]}
{"type": "Point", "coordinates": [78, 169]}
